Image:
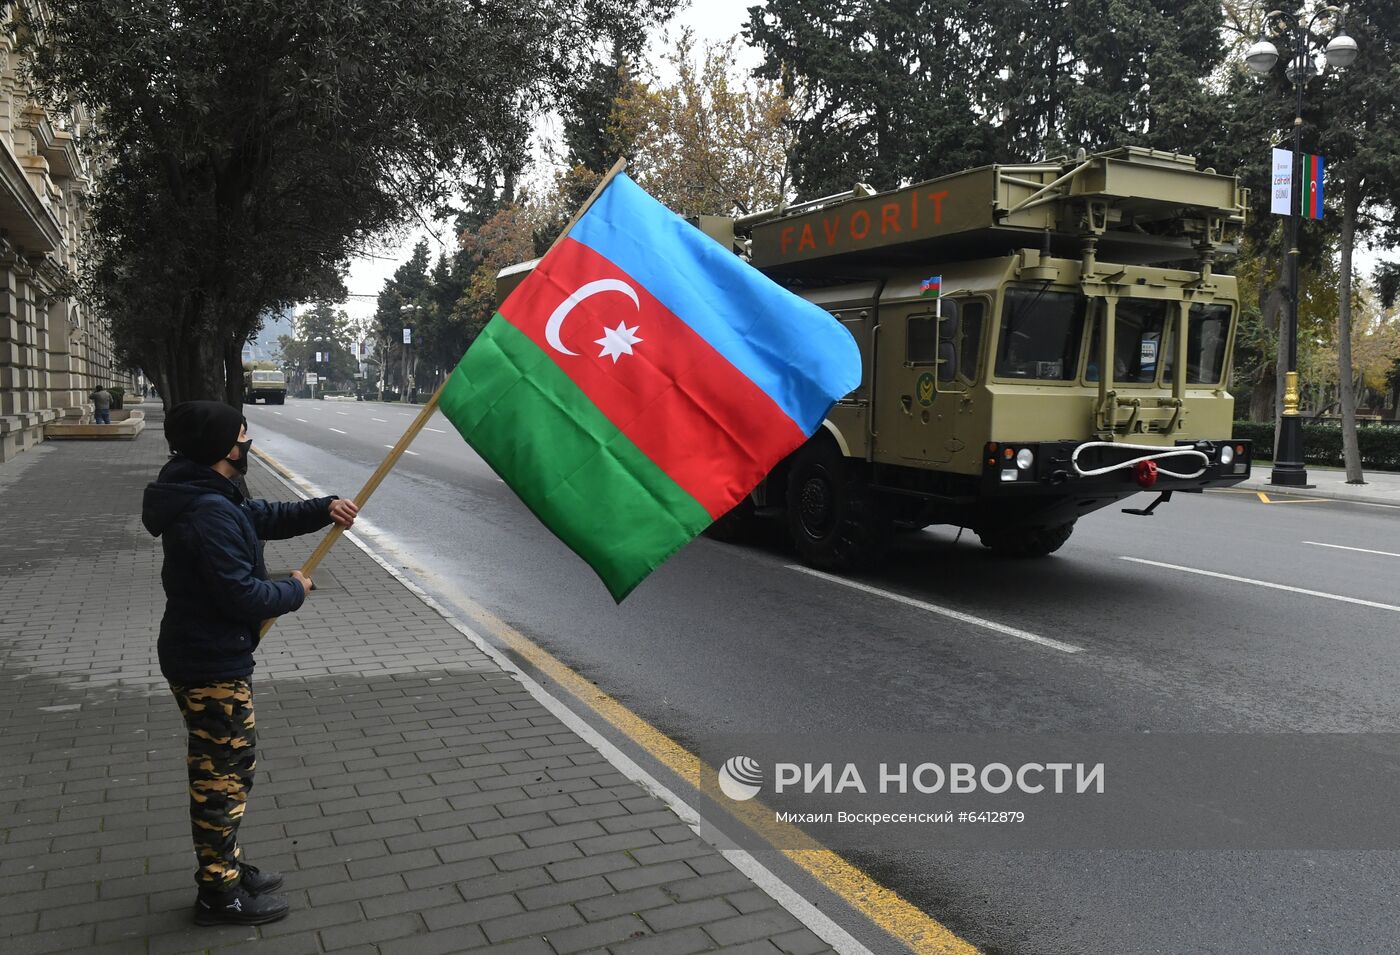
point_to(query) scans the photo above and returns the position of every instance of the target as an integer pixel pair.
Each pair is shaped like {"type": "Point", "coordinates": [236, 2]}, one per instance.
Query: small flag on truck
{"type": "Point", "coordinates": [932, 287]}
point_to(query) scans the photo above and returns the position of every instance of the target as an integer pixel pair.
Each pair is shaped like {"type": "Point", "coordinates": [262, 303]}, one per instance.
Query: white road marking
{"type": "Point", "coordinates": [1359, 550]}
{"type": "Point", "coordinates": [1264, 583]}
{"type": "Point", "coordinates": [380, 420]}
{"type": "Point", "coordinates": [405, 450]}
{"type": "Point", "coordinates": [438, 430]}
{"type": "Point", "coordinates": [405, 414]}
{"type": "Point", "coordinates": [277, 413]}
{"type": "Point", "coordinates": [303, 421]}
{"type": "Point", "coordinates": [343, 414]}
{"type": "Point", "coordinates": [337, 431]}
{"type": "Point", "coordinates": [943, 611]}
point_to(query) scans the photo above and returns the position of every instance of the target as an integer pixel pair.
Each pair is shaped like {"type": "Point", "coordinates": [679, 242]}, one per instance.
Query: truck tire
{"type": "Point", "coordinates": [737, 526]}
{"type": "Point", "coordinates": [279, 400]}
{"type": "Point", "coordinates": [836, 521]}
{"type": "Point", "coordinates": [1026, 541]}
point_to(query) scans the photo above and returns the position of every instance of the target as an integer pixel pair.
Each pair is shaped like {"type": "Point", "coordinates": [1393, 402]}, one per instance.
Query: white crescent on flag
{"type": "Point", "coordinates": [556, 320]}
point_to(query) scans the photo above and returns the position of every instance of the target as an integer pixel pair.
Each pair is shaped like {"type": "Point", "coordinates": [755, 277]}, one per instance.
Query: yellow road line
{"type": "Point", "coordinates": [1294, 500]}
{"type": "Point", "coordinates": [885, 908]}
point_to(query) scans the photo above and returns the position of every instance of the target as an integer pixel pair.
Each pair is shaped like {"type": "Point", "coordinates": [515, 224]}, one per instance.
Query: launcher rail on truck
{"type": "Point", "coordinates": [1048, 377]}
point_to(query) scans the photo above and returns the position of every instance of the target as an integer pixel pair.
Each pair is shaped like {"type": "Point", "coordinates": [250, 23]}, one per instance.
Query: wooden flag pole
{"type": "Point", "coordinates": [392, 458]}
{"type": "Point", "coordinates": [612, 173]}
{"type": "Point", "coordinates": [375, 479]}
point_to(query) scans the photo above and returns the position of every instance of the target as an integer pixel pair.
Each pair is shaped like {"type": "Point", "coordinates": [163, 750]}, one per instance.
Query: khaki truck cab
{"type": "Point", "coordinates": [1077, 352]}
{"type": "Point", "coordinates": [270, 386]}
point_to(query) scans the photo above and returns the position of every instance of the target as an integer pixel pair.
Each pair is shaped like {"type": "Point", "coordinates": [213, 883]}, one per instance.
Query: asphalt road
{"type": "Point", "coordinates": [726, 639]}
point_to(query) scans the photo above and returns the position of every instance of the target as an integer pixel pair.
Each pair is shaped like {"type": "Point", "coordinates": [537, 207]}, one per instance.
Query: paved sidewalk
{"type": "Point", "coordinates": [418, 798]}
{"type": "Point", "coordinates": [1381, 487]}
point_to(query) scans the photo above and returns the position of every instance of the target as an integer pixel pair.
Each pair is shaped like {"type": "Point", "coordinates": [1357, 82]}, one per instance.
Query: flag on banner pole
{"type": "Point", "coordinates": [641, 381]}
{"type": "Point", "coordinates": [1312, 177]}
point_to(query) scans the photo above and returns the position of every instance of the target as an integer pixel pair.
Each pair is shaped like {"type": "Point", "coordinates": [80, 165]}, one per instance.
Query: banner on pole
{"type": "Point", "coordinates": [1312, 179]}
{"type": "Point", "coordinates": [1282, 202]}
{"type": "Point", "coordinates": [408, 336]}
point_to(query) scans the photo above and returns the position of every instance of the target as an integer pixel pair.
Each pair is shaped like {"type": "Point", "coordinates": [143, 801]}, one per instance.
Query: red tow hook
{"type": "Point", "coordinates": [1146, 473]}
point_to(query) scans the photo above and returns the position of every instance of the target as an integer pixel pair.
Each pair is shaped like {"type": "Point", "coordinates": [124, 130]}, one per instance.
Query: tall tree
{"type": "Point", "coordinates": [1138, 72]}
{"type": "Point", "coordinates": [884, 88]}
{"type": "Point", "coordinates": [250, 146]}
{"type": "Point", "coordinates": [324, 331]}
{"type": "Point", "coordinates": [398, 306]}
{"type": "Point", "coordinates": [708, 142]}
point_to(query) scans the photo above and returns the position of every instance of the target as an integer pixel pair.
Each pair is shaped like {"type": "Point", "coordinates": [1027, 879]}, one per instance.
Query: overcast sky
{"type": "Point", "coordinates": [709, 19]}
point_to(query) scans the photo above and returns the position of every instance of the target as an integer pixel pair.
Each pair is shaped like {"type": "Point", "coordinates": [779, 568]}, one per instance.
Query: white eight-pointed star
{"type": "Point", "coordinates": [618, 341]}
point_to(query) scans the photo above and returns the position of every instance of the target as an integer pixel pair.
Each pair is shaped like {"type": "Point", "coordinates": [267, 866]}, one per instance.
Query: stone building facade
{"type": "Point", "coordinates": [53, 351]}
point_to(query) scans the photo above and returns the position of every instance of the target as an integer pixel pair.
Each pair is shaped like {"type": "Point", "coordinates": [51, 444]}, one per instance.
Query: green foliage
{"type": "Point", "coordinates": [910, 89]}
{"type": "Point", "coordinates": [1322, 443]}
{"type": "Point", "coordinates": [884, 86]}
{"type": "Point", "coordinates": [249, 147]}
{"type": "Point", "coordinates": [324, 330]}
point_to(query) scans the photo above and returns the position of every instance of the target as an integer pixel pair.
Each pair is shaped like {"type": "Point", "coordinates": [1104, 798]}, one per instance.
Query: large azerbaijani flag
{"type": "Point", "coordinates": [641, 381]}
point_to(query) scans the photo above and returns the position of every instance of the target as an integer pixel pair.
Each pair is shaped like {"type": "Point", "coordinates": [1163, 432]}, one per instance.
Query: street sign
{"type": "Point", "coordinates": [408, 336]}
{"type": "Point", "coordinates": [312, 378]}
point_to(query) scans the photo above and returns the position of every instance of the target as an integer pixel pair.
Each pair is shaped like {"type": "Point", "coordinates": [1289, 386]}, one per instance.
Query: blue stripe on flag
{"type": "Point", "coordinates": [795, 351]}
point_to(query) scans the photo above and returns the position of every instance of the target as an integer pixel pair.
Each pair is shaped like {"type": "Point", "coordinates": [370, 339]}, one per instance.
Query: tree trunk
{"type": "Point", "coordinates": [1346, 376]}
{"type": "Point", "coordinates": [1265, 399]}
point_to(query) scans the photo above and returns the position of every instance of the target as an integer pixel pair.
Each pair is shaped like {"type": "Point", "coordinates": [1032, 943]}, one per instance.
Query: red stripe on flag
{"type": "Point", "coordinates": [700, 419]}
{"type": "Point", "coordinates": [1314, 188]}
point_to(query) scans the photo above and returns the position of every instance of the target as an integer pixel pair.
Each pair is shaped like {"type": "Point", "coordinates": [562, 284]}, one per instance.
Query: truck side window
{"type": "Point", "coordinates": [921, 346]}
{"type": "Point", "coordinates": [1207, 334]}
{"type": "Point", "coordinates": [1041, 333]}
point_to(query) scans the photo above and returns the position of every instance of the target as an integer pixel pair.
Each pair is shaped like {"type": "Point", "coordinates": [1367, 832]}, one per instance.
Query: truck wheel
{"type": "Point", "coordinates": [835, 520]}
{"type": "Point", "coordinates": [737, 526]}
{"type": "Point", "coordinates": [280, 399]}
{"type": "Point", "coordinates": [1026, 541]}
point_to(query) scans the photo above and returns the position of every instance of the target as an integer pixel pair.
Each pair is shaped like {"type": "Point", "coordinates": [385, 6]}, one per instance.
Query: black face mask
{"type": "Point", "coordinates": [244, 448]}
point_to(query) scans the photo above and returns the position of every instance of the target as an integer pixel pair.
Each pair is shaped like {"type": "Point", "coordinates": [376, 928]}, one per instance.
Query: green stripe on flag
{"type": "Point", "coordinates": [580, 475]}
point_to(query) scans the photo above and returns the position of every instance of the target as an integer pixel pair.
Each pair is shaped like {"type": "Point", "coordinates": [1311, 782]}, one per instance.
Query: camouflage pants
{"type": "Point", "coordinates": [221, 759]}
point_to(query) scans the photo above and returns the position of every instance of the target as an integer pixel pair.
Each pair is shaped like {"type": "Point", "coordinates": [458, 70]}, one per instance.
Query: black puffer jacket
{"type": "Point", "coordinates": [216, 589]}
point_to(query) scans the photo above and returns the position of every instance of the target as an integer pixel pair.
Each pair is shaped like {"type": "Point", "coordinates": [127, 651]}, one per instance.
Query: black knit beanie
{"type": "Point", "coordinates": [203, 431]}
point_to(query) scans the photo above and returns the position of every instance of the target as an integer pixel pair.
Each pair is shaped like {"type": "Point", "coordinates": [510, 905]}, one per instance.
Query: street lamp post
{"type": "Point", "coordinates": [1289, 468]}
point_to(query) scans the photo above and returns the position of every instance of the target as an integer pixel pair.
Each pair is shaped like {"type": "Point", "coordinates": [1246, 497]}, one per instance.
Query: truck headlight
{"type": "Point", "coordinates": [1227, 454]}
{"type": "Point", "coordinates": [1025, 458]}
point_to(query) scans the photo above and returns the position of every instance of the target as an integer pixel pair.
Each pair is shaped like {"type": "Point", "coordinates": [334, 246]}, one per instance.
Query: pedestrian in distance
{"type": "Point", "coordinates": [101, 405]}
{"type": "Point", "coordinates": [217, 594]}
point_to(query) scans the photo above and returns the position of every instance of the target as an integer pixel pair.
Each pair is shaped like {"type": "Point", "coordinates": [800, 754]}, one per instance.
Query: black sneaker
{"type": "Point", "coordinates": [257, 881]}
{"type": "Point", "coordinates": [238, 906]}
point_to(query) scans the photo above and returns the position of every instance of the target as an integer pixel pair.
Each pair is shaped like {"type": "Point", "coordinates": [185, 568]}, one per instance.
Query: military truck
{"type": "Point", "coordinates": [1039, 341]}
{"type": "Point", "coordinates": [267, 384]}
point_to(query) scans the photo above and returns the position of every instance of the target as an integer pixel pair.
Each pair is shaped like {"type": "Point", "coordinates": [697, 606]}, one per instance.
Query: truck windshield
{"type": "Point", "coordinates": [1138, 333]}
{"type": "Point", "coordinates": [267, 376]}
{"type": "Point", "coordinates": [1208, 332]}
{"type": "Point", "coordinates": [1041, 333]}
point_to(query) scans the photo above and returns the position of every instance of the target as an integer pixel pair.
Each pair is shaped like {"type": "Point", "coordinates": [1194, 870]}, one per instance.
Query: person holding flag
{"type": "Point", "coordinates": [217, 593]}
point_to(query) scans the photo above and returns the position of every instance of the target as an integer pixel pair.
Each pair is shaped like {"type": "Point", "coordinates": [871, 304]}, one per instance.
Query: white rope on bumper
{"type": "Point", "coordinates": [1157, 455]}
